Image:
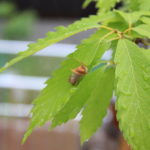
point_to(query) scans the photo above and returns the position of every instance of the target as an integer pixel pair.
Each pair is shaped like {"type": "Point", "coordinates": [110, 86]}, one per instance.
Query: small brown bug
{"type": "Point", "coordinates": [77, 74]}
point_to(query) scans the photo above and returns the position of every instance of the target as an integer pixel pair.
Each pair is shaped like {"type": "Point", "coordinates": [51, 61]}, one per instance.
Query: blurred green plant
{"type": "Point", "coordinates": [7, 9]}
{"type": "Point", "coordinates": [20, 26]}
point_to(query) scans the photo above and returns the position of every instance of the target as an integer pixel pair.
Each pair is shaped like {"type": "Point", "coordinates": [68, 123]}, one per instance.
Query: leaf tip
{"type": "Point", "coordinates": [23, 139]}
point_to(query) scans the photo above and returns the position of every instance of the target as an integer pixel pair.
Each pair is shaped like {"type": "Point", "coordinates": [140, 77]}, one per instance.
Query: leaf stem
{"type": "Point", "coordinates": [106, 27]}
{"type": "Point", "coordinates": [127, 30]}
{"type": "Point", "coordinates": [116, 38]}
{"type": "Point", "coordinates": [120, 34]}
{"type": "Point", "coordinates": [106, 35]}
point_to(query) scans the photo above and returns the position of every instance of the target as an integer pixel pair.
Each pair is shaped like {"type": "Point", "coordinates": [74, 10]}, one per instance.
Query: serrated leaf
{"type": "Point", "coordinates": [60, 34]}
{"type": "Point", "coordinates": [143, 30]}
{"type": "Point", "coordinates": [130, 18]}
{"type": "Point", "coordinates": [133, 5]}
{"type": "Point", "coordinates": [79, 98]}
{"type": "Point", "coordinates": [86, 3]}
{"type": "Point", "coordinates": [104, 6]}
{"type": "Point", "coordinates": [136, 5]}
{"type": "Point", "coordinates": [59, 89]}
{"type": "Point", "coordinates": [97, 104]}
{"type": "Point", "coordinates": [133, 92]}
{"type": "Point", "coordinates": [144, 5]}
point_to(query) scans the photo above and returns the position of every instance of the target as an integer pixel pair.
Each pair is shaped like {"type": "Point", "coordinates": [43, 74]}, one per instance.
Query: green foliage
{"type": "Point", "coordinates": [86, 3]}
{"type": "Point", "coordinates": [60, 34]}
{"type": "Point", "coordinates": [86, 53]}
{"type": "Point", "coordinates": [145, 20]}
{"type": "Point", "coordinates": [133, 92]}
{"type": "Point", "coordinates": [121, 31]}
{"type": "Point", "coordinates": [144, 5]}
{"type": "Point", "coordinates": [97, 102]}
{"type": "Point", "coordinates": [130, 18]}
{"type": "Point", "coordinates": [19, 26]}
{"type": "Point", "coordinates": [143, 30]}
{"type": "Point", "coordinates": [79, 98]}
{"type": "Point", "coordinates": [6, 9]}
{"type": "Point", "coordinates": [104, 6]}
{"type": "Point", "coordinates": [137, 5]}
{"type": "Point", "coordinates": [132, 5]}
{"type": "Point", "coordinates": [129, 5]}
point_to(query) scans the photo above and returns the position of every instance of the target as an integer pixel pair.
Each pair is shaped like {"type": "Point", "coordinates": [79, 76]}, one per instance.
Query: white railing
{"type": "Point", "coordinates": [12, 81]}
{"type": "Point", "coordinates": [15, 110]}
{"type": "Point", "coordinates": [22, 82]}
{"type": "Point", "coordinates": [56, 50]}
{"type": "Point", "coordinates": [27, 82]}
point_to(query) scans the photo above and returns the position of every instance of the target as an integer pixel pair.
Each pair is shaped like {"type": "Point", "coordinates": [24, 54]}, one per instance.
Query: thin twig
{"type": "Point", "coordinates": [108, 28]}
{"type": "Point", "coordinates": [116, 38]}
{"type": "Point", "coordinates": [106, 35]}
{"type": "Point", "coordinates": [127, 30]}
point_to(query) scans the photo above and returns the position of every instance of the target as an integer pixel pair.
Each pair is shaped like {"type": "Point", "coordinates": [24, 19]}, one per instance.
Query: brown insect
{"type": "Point", "coordinates": [77, 74]}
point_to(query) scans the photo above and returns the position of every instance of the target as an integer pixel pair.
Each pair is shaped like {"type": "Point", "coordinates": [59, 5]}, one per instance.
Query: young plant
{"type": "Point", "coordinates": [84, 83]}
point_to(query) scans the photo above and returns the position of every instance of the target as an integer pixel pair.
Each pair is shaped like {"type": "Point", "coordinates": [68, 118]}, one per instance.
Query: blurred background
{"type": "Point", "coordinates": [24, 21]}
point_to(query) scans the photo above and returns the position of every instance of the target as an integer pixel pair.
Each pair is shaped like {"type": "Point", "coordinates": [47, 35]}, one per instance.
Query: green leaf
{"type": "Point", "coordinates": [133, 5]}
{"type": "Point", "coordinates": [133, 92]}
{"type": "Point", "coordinates": [59, 89]}
{"type": "Point", "coordinates": [143, 30]}
{"type": "Point", "coordinates": [145, 20]}
{"type": "Point", "coordinates": [60, 34]}
{"type": "Point", "coordinates": [144, 5]}
{"type": "Point", "coordinates": [130, 18]}
{"type": "Point", "coordinates": [80, 97]}
{"type": "Point", "coordinates": [7, 9]}
{"type": "Point", "coordinates": [97, 104]}
{"type": "Point", "coordinates": [86, 3]}
{"type": "Point", "coordinates": [137, 5]}
{"type": "Point", "coordinates": [146, 52]}
{"type": "Point", "coordinates": [20, 26]}
{"type": "Point", "coordinates": [104, 6]}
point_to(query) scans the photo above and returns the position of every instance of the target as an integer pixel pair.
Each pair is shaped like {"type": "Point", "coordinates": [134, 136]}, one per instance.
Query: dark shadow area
{"type": "Point", "coordinates": [57, 8]}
